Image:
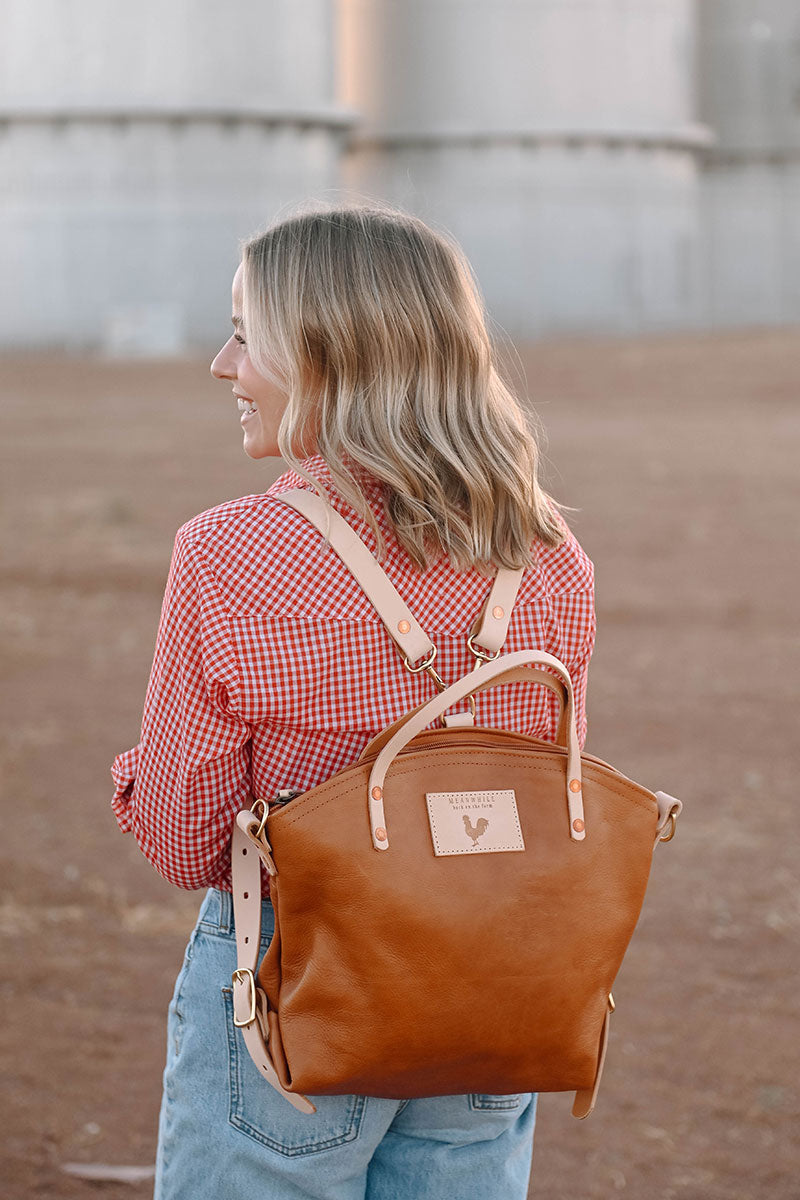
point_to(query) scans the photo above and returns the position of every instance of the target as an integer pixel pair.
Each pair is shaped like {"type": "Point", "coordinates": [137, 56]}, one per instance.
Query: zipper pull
{"type": "Point", "coordinates": [283, 797]}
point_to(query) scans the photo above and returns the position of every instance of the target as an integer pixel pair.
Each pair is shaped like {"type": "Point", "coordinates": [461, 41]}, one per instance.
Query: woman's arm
{"type": "Point", "coordinates": [179, 789]}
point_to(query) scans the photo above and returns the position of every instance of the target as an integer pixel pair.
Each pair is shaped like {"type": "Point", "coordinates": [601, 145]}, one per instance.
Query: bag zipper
{"type": "Point", "coordinates": [283, 797]}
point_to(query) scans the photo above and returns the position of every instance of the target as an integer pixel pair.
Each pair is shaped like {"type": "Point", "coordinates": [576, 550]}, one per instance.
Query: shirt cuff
{"type": "Point", "coordinates": [123, 772]}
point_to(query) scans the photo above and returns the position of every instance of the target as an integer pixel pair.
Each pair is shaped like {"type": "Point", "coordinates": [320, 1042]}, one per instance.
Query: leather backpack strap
{"type": "Point", "coordinates": [249, 847]}
{"type": "Point", "coordinates": [491, 625]}
{"type": "Point", "coordinates": [489, 628]}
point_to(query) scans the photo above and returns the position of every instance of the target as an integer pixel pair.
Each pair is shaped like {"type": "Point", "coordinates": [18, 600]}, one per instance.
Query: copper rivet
{"type": "Point", "coordinates": [574, 785]}
{"type": "Point", "coordinates": [380, 834]}
{"type": "Point", "coordinates": [404, 626]}
{"type": "Point", "coordinates": [497, 611]}
{"type": "Point", "coordinates": [577, 825]}
{"type": "Point", "coordinates": [376, 793]}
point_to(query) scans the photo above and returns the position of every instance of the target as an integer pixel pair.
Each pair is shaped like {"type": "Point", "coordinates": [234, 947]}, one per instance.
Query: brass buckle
{"type": "Point", "coordinates": [264, 814]}
{"type": "Point", "coordinates": [264, 848]}
{"type": "Point", "coordinates": [239, 975]}
{"type": "Point", "coordinates": [673, 820]}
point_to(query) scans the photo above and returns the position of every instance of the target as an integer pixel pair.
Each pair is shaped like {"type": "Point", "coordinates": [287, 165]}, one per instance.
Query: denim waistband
{"type": "Point", "coordinates": [216, 912]}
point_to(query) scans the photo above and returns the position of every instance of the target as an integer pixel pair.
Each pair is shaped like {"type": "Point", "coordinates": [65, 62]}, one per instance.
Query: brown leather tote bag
{"type": "Point", "coordinates": [452, 909]}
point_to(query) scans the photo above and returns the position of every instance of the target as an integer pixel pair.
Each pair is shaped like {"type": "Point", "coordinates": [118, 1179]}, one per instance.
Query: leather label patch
{"type": "Point", "coordinates": [474, 822]}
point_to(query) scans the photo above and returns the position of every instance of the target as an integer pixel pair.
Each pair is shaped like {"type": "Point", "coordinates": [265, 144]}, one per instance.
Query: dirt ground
{"type": "Point", "coordinates": [681, 454]}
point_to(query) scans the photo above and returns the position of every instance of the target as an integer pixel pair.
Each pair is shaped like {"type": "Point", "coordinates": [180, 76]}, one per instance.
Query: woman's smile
{"type": "Point", "coordinates": [247, 407]}
{"type": "Point", "coordinates": [262, 406]}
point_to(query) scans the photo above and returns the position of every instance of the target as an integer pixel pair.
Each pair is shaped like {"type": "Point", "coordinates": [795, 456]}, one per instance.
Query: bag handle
{"type": "Point", "coordinates": [549, 681]}
{"type": "Point", "coordinates": [511, 668]}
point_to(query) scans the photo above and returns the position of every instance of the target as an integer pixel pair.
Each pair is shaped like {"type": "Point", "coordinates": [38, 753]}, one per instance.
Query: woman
{"type": "Point", "coordinates": [360, 355]}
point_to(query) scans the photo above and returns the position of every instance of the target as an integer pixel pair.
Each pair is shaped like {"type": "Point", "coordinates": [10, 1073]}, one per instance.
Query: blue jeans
{"type": "Point", "coordinates": [225, 1134]}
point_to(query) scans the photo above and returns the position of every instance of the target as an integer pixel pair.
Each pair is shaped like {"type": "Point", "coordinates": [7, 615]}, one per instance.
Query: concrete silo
{"type": "Point", "coordinates": [749, 87]}
{"type": "Point", "coordinates": [555, 138]}
{"type": "Point", "coordinates": [137, 144]}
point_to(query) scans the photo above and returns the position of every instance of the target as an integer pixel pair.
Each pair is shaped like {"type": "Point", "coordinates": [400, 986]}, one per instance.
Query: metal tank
{"type": "Point", "coordinates": [749, 90]}
{"type": "Point", "coordinates": [138, 143]}
{"type": "Point", "coordinates": [556, 139]}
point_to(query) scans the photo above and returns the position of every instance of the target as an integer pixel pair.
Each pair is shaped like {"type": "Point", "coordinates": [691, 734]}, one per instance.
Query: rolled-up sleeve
{"type": "Point", "coordinates": [179, 789]}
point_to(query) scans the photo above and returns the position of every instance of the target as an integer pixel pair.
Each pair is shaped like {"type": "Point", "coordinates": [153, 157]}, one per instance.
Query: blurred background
{"type": "Point", "coordinates": [623, 176]}
{"type": "Point", "coordinates": [608, 165]}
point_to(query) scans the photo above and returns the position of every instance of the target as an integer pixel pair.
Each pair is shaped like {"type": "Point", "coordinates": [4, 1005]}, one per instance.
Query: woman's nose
{"type": "Point", "coordinates": [224, 366]}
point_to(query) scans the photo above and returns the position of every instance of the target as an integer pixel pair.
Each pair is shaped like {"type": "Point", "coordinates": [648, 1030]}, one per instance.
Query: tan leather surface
{"type": "Point", "coordinates": [505, 990]}
{"type": "Point", "coordinates": [404, 973]}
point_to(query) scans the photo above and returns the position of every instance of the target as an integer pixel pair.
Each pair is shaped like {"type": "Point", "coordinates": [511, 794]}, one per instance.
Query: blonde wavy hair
{"type": "Point", "coordinates": [373, 323]}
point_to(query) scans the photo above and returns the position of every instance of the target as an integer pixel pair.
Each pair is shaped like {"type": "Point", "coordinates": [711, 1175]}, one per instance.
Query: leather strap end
{"type": "Point", "coordinates": [669, 809]}
{"type": "Point", "coordinates": [250, 1003]}
{"type": "Point", "coordinates": [586, 1098]}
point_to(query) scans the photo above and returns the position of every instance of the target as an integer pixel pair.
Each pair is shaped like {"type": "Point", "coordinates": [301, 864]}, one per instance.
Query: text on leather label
{"type": "Point", "coordinates": [474, 822]}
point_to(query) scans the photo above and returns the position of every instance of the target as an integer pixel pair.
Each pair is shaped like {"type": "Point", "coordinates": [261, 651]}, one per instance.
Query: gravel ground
{"type": "Point", "coordinates": [680, 455]}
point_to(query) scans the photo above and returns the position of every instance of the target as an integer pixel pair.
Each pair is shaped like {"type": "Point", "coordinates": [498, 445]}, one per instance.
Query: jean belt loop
{"type": "Point", "coordinates": [225, 912]}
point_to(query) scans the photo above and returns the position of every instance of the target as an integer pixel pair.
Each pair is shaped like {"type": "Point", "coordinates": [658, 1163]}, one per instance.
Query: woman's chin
{"type": "Point", "coordinates": [257, 447]}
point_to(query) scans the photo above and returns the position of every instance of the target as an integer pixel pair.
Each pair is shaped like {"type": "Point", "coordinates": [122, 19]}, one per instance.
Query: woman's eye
{"type": "Point", "coordinates": [238, 337]}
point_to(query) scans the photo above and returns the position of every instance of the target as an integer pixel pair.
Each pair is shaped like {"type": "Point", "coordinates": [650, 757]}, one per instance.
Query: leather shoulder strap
{"type": "Point", "coordinates": [489, 629]}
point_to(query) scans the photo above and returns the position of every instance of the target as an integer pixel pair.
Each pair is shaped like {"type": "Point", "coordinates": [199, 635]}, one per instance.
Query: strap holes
{"type": "Point", "coordinates": [247, 895]}
{"type": "Point", "coordinates": [244, 851]}
{"type": "Point", "coordinates": [246, 940]}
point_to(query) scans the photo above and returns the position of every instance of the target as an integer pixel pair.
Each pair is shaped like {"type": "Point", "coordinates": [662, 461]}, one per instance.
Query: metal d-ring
{"type": "Point", "coordinates": [264, 814]}
{"type": "Point", "coordinates": [422, 666]}
{"type": "Point", "coordinates": [481, 653]}
{"type": "Point", "coordinates": [672, 819]}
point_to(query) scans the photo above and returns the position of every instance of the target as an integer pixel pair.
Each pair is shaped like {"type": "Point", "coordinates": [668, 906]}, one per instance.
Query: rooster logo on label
{"type": "Point", "coordinates": [477, 830]}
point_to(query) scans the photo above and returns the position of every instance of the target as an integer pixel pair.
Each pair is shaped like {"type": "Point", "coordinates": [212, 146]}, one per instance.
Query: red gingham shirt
{"type": "Point", "coordinates": [272, 669]}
